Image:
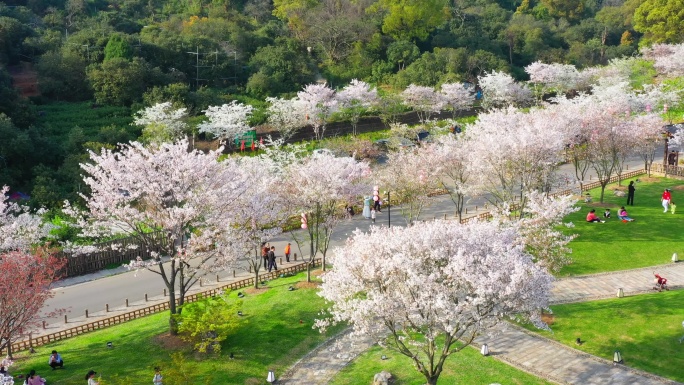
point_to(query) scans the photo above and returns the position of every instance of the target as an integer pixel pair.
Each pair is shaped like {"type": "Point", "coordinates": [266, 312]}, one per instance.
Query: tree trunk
{"type": "Point", "coordinates": [256, 277]}
{"type": "Point", "coordinates": [173, 322]}
{"type": "Point", "coordinates": [9, 349]}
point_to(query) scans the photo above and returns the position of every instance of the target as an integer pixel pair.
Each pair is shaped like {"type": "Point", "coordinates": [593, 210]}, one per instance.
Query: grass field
{"type": "Point", "coordinates": [270, 337]}
{"type": "Point", "coordinates": [467, 367]}
{"type": "Point", "coordinates": [644, 328]}
{"type": "Point", "coordinates": [649, 240]}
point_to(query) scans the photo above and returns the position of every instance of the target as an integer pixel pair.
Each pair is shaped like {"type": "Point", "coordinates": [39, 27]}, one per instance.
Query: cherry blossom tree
{"type": "Point", "coordinates": [539, 229]}
{"type": "Point", "coordinates": [226, 121]}
{"type": "Point", "coordinates": [454, 169]}
{"type": "Point", "coordinates": [317, 187]}
{"type": "Point", "coordinates": [25, 280]}
{"type": "Point", "coordinates": [499, 89]}
{"type": "Point", "coordinates": [457, 97]}
{"type": "Point", "coordinates": [169, 199]}
{"type": "Point", "coordinates": [515, 153]}
{"type": "Point", "coordinates": [425, 101]}
{"type": "Point", "coordinates": [555, 77]}
{"type": "Point", "coordinates": [319, 103]}
{"type": "Point", "coordinates": [161, 123]}
{"type": "Point", "coordinates": [355, 99]}
{"type": "Point", "coordinates": [258, 217]}
{"type": "Point", "coordinates": [19, 227]}
{"type": "Point", "coordinates": [411, 175]}
{"type": "Point", "coordinates": [286, 116]}
{"type": "Point", "coordinates": [427, 291]}
{"type": "Point", "coordinates": [667, 58]}
{"type": "Point", "coordinates": [648, 136]}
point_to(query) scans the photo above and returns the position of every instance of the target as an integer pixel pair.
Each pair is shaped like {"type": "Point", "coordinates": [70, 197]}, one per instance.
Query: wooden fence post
{"type": "Point", "coordinates": [145, 297]}
{"type": "Point", "coordinates": [295, 256]}
{"type": "Point", "coordinates": [65, 319]}
{"type": "Point", "coordinates": [86, 313]}
{"type": "Point", "coordinates": [126, 302]}
{"type": "Point", "coordinates": [106, 308]}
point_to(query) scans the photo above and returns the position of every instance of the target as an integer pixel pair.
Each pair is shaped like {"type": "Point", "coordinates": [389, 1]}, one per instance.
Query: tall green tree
{"type": "Point", "coordinates": [661, 21]}
{"type": "Point", "coordinates": [411, 19]}
{"type": "Point", "coordinates": [118, 47]}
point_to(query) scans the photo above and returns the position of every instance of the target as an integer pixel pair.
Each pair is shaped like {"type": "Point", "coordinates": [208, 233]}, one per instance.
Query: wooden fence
{"type": "Point", "coordinates": [109, 256]}
{"type": "Point", "coordinates": [145, 311]}
{"type": "Point", "coordinates": [613, 179]}
{"type": "Point", "coordinates": [668, 170]}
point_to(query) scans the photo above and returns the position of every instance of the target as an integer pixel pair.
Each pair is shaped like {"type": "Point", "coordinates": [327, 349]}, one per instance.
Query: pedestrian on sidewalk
{"type": "Point", "coordinates": [373, 215]}
{"type": "Point", "coordinates": [287, 253]}
{"type": "Point", "coordinates": [272, 260]}
{"type": "Point", "coordinates": [630, 193]}
{"type": "Point", "coordinates": [264, 253]}
{"type": "Point", "coordinates": [666, 198]}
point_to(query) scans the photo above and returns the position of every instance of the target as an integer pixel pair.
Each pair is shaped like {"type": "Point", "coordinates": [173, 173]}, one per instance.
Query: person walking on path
{"type": "Point", "coordinates": [667, 197]}
{"type": "Point", "coordinates": [287, 252]}
{"type": "Point", "coordinates": [272, 260]}
{"type": "Point", "coordinates": [630, 193]}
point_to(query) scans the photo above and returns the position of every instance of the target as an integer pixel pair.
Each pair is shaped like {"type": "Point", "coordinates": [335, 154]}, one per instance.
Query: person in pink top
{"type": "Point", "coordinates": [591, 217]}
{"type": "Point", "coordinates": [667, 197]}
{"type": "Point", "coordinates": [33, 379]}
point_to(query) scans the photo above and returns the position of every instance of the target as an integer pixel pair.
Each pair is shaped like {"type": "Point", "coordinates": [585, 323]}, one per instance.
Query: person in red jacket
{"type": "Point", "coordinates": [667, 197]}
{"type": "Point", "coordinates": [591, 217]}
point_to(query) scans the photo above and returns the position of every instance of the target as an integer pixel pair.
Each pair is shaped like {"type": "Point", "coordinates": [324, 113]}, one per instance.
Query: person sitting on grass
{"type": "Point", "coordinates": [606, 214]}
{"type": "Point", "coordinates": [622, 215]}
{"type": "Point", "coordinates": [55, 360]}
{"type": "Point", "coordinates": [591, 217]}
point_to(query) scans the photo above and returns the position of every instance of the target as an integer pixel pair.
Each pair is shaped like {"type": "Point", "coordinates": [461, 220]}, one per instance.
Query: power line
{"type": "Point", "coordinates": [197, 54]}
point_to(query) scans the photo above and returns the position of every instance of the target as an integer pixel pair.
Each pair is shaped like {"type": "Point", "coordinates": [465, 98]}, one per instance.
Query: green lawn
{"type": "Point", "coordinates": [467, 367]}
{"type": "Point", "coordinates": [645, 328]}
{"type": "Point", "coordinates": [270, 337]}
{"type": "Point", "coordinates": [649, 240]}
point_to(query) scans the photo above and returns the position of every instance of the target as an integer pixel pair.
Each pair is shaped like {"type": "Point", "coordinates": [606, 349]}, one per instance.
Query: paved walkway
{"type": "Point", "coordinates": [527, 351]}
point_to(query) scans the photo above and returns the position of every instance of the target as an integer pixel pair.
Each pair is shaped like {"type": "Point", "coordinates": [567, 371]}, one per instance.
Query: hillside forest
{"type": "Point", "coordinates": [73, 72]}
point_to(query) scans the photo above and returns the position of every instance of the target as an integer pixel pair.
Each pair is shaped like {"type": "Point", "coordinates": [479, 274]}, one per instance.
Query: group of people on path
{"type": "Point", "coordinates": [269, 256]}
{"type": "Point", "coordinates": [666, 200]}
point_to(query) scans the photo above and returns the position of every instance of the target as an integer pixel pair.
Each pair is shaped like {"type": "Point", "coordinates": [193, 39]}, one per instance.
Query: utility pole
{"type": "Point", "coordinates": [198, 66]}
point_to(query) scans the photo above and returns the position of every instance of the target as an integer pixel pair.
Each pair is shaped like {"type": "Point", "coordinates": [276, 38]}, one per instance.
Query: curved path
{"type": "Point", "coordinates": [527, 351]}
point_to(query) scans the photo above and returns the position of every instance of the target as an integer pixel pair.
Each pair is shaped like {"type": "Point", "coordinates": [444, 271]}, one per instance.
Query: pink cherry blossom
{"type": "Point", "coordinates": [427, 291]}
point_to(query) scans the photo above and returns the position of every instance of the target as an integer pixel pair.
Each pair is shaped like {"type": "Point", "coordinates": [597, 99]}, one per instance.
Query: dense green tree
{"type": "Point", "coordinates": [62, 76]}
{"type": "Point", "coordinates": [279, 68]}
{"type": "Point", "coordinates": [402, 53]}
{"type": "Point", "coordinates": [118, 47]}
{"type": "Point", "coordinates": [411, 19]}
{"type": "Point", "coordinates": [661, 21]}
{"type": "Point", "coordinates": [118, 81]}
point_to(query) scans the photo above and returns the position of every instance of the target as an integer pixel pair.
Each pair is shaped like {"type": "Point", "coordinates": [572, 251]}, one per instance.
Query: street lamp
{"type": "Point", "coordinates": [617, 358]}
